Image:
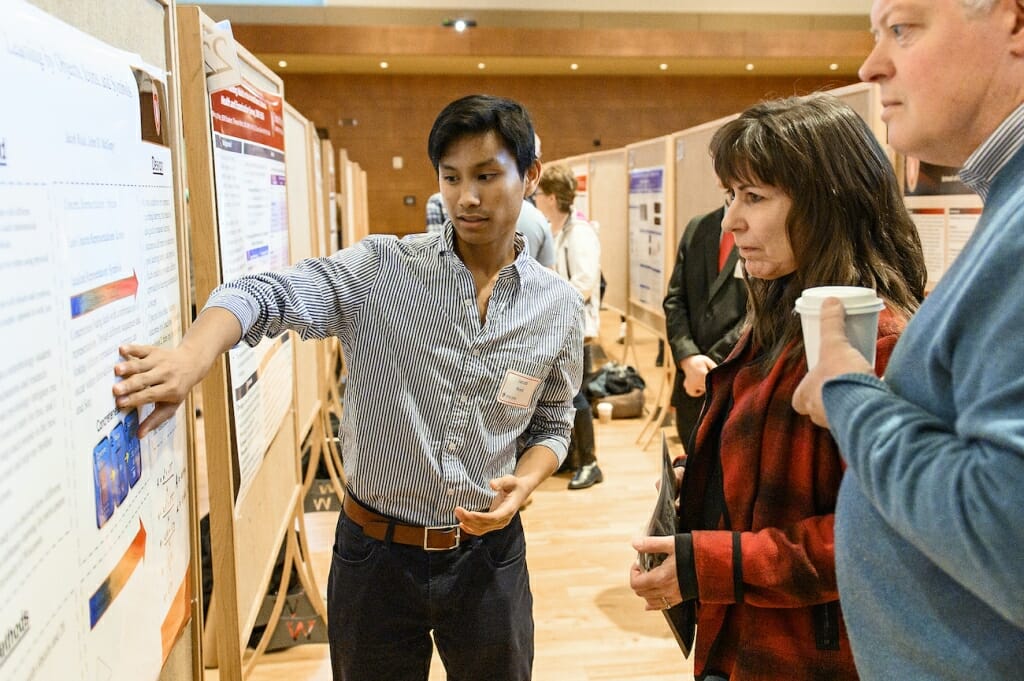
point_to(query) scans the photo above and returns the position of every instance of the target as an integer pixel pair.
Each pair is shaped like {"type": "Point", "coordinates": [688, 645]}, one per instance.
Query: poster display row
{"type": "Point", "coordinates": [94, 529]}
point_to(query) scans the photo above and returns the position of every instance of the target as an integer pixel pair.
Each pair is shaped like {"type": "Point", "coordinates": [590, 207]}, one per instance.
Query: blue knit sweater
{"type": "Point", "coordinates": [930, 519]}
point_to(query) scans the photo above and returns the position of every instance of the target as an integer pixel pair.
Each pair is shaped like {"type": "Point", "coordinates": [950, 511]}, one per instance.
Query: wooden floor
{"type": "Point", "coordinates": [589, 624]}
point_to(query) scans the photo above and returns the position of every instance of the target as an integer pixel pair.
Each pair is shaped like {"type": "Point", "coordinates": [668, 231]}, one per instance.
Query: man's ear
{"type": "Point", "coordinates": [532, 177]}
{"type": "Point", "coordinates": [1017, 37]}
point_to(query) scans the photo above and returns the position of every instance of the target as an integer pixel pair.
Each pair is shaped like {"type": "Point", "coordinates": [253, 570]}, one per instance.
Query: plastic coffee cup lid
{"type": "Point", "coordinates": [855, 299]}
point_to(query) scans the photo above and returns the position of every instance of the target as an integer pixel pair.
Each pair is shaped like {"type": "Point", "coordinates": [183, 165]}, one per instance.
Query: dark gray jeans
{"type": "Point", "coordinates": [385, 599]}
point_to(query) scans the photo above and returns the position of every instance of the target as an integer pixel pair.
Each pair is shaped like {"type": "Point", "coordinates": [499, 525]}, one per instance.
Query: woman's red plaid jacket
{"type": "Point", "coordinates": [759, 497]}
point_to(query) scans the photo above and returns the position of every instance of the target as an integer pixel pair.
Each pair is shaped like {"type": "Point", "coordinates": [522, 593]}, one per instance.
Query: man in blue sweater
{"type": "Point", "coordinates": [930, 518]}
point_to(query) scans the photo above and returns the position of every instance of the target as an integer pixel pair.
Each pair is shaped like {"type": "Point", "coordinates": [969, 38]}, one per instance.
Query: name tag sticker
{"type": "Point", "coordinates": [517, 389]}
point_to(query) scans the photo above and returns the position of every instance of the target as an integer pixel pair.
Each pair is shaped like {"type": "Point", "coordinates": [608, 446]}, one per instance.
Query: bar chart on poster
{"type": "Point", "coordinates": [94, 533]}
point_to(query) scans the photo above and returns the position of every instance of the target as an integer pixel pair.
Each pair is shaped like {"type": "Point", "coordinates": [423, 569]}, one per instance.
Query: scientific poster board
{"type": "Point", "coordinates": [651, 173]}
{"type": "Point", "coordinates": [581, 171]}
{"type": "Point", "coordinates": [362, 207]}
{"type": "Point", "coordinates": [944, 209]}
{"type": "Point", "coordinates": [347, 190]}
{"type": "Point", "coordinates": [302, 230]}
{"type": "Point", "coordinates": [944, 223]}
{"type": "Point", "coordinates": [252, 210]}
{"type": "Point", "coordinates": [238, 218]}
{"type": "Point", "coordinates": [697, 190]}
{"type": "Point", "coordinates": [607, 193]}
{"type": "Point", "coordinates": [96, 559]}
{"type": "Point", "coordinates": [329, 239]}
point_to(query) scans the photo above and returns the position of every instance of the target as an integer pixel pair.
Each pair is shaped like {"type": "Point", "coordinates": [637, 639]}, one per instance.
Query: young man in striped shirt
{"type": "Point", "coordinates": [464, 355]}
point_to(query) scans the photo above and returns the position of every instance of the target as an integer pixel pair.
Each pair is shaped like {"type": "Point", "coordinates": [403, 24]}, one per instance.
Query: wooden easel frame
{"type": "Point", "coordinates": [270, 515]}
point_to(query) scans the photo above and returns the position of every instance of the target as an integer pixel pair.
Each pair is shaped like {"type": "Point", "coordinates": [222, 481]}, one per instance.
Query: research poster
{"type": "Point", "coordinates": [647, 236]}
{"type": "Point", "coordinates": [931, 228]}
{"type": "Point", "coordinates": [945, 224]}
{"type": "Point", "coordinates": [252, 214]}
{"type": "Point", "coordinates": [962, 222]}
{"type": "Point", "coordinates": [581, 204]}
{"type": "Point", "coordinates": [94, 525]}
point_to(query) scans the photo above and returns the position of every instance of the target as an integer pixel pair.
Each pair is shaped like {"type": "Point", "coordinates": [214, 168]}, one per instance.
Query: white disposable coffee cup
{"type": "Point", "coordinates": [604, 412]}
{"type": "Point", "coordinates": [862, 306]}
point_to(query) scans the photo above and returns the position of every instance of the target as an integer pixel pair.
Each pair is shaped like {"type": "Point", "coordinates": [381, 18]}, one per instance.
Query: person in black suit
{"type": "Point", "coordinates": [705, 307]}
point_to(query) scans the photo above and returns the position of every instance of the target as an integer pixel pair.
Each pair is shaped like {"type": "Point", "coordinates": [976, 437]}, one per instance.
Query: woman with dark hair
{"type": "Point", "coordinates": [812, 201]}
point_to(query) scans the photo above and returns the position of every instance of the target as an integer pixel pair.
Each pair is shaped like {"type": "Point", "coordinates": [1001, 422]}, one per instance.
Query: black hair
{"type": "Point", "coordinates": [480, 114]}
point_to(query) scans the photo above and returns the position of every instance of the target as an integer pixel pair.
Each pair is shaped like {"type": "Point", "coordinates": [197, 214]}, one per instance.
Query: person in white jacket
{"type": "Point", "coordinates": [577, 259]}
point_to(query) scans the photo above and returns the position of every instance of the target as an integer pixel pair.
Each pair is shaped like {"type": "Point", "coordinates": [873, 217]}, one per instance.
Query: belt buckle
{"type": "Point", "coordinates": [449, 529]}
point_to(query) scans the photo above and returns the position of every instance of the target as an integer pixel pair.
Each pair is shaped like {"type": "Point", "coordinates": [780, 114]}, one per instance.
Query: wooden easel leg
{"type": "Point", "coordinates": [293, 559]}
{"type": "Point", "coordinates": [332, 454]}
{"type": "Point", "coordinates": [210, 659]}
{"type": "Point", "coordinates": [275, 614]}
{"type": "Point", "coordinates": [659, 417]}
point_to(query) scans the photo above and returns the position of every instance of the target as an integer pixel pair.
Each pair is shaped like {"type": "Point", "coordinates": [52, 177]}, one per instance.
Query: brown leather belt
{"type": "Point", "coordinates": [440, 538]}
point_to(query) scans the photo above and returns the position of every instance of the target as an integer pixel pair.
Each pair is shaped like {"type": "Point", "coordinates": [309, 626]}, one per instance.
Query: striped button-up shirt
{"type": "Point", "coordinates": [995, 152]}
{"type": "Point", "coordinates": [437, 403]}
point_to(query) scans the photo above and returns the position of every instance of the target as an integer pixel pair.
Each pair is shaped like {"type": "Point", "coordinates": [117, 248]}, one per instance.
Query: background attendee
{"type": "Point", "coordinates": [449, 421]}
{"type": "Point", "coordinates": [705, 306]}
{"type": "Point", "coordinates": [578, 259]}
{"type": "Point", "coordinates": [813, 200]}
{"type": "Point", "coordinates": [436, 216]}
{"type": "Point", "coordinates": [930, 530]}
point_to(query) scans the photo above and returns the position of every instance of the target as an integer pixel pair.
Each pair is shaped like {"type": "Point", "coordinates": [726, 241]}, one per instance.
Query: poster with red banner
{"type": "Point", "coordinates": [248, 114]}
{"type": "Point", "coordinates": [252, 217]}
{"type": "Point", "coordinates": [945, 210]}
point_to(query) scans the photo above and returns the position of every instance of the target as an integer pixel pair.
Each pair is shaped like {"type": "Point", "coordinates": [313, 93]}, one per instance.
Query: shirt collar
{"type": "Point", "coordinates": [994, 153]}
{"type": "Point", "coordinates": [446, 244]}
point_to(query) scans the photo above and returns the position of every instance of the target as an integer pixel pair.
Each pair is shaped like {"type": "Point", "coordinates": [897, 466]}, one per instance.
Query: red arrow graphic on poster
{"type": "Point", "coordinates": [94, 299]}
{"type": "Point", "coordinates": [119, 576]}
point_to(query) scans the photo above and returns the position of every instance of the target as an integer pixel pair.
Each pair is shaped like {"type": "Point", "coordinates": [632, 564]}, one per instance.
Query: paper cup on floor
{"type": "Point", "coordinates": [862, 306]}
{"type": "Point", "coordinates": [604, 412]}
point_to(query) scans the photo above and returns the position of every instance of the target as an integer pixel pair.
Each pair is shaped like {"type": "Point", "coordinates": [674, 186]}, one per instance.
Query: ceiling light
{"type": "Point", "coordinates": [459, 25]}
{"type": "Point", "coordinates": [481, 66]}
{"type": "Point", "coordinates": [833, 67]}
{"type": "Point", "coordinates": [663, 67]}
{"type": "Point", "coordinates": [574, 66]}
{"type": "Point", "coordinates": [282, 63]}
{"type": "Point", "coordinates": [384, 64]}
{"type": "Point", "coordinates": [749, 67]}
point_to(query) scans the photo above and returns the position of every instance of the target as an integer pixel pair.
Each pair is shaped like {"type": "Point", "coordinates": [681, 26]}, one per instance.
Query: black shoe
{"type": "Point", "coordinates": [586, 476]}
